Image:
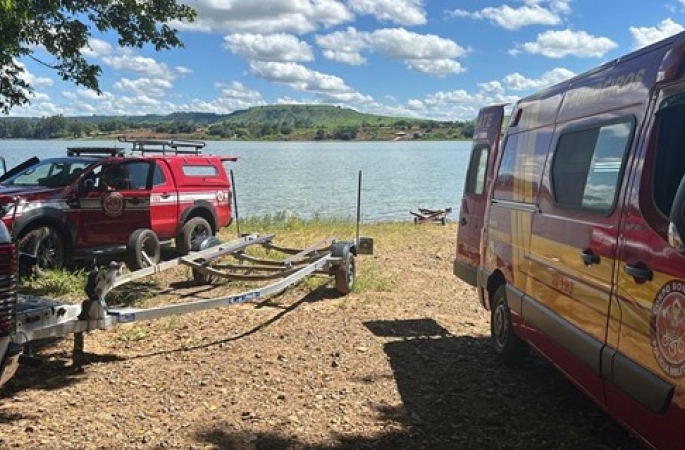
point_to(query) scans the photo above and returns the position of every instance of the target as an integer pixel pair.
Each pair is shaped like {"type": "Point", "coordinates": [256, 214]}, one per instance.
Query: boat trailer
{"type": "Point", "coordinates": [24, 319]}
{"type": "Point", "coordinates": [431, 215]}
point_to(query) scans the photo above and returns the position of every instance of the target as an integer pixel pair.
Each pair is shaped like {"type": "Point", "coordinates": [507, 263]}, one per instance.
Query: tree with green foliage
{"type": "Point", "coordinates": [62, 28]}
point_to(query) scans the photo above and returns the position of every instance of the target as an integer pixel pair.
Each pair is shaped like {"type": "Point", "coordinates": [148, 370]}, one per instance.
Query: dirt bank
{"type": "Point", "coordinates": [403, 363]}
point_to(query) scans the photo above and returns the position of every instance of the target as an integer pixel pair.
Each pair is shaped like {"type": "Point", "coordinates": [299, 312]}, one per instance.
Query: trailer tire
{"type": "Point", "coordinates": [200, 278]}
{"type": "Point", "coordinates": [196, 228]}
{"type": "Point", "coordinates": [508, 347]}
{"type": "Point", "coordinates": [46, 244]}
{"type": "Point", "coordinates": [142, 241]}
{"type": "Point", "coordinates": [345, 274]}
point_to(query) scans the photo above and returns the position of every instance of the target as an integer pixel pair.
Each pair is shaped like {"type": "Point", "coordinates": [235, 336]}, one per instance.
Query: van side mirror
{"type": "Point", "coordinates": [676, 228]}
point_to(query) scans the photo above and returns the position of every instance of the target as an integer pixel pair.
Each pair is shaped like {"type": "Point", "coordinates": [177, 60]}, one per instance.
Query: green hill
{"type": "Point", "coordinates": [272, 122]}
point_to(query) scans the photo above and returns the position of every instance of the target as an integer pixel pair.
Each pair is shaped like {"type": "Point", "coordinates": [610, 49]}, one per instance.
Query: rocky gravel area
{"type": "Point", "coordinates": [403, 362]}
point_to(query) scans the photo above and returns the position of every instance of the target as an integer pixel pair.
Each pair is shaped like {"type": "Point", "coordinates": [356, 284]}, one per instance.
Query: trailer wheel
{"type": "Point", "coordinates": [47, 245]}
{"type": "Point", "coordinates": [196, 228]}
{"type": "Point", "coordinates": [507, 345]}
{"type": "Point", "coordinates": [345, 274]}
{"type": "Point", "coordinates": [200, 278]}
{"type": "Point", "coordinates": [143, 241]}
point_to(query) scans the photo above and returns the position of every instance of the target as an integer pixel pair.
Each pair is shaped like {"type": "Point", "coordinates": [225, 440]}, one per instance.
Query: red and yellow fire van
{"type": "Point", "coordinates": [572, 228]}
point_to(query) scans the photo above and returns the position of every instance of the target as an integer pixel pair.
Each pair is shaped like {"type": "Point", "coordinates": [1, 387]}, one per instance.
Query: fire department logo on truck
{"type": "Point", "coordinates": [113, 204]}
{"type": "Point", "coordinates": [667, 329]}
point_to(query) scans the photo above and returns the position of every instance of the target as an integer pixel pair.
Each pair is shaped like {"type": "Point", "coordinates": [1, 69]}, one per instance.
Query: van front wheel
{"type": "Point", "coordinates": [507, 345]}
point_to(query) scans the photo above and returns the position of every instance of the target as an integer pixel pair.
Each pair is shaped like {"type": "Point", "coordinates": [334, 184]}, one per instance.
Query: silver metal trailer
{"type": "Point", "coordinates": [40, 318]}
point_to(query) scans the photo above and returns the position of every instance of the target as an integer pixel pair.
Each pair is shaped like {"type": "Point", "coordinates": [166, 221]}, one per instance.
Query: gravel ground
{"type": "Point", "coordinates": [401, 363]}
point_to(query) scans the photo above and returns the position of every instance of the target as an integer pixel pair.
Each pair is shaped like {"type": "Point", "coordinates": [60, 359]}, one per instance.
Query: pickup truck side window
{"type": "Point", "coordinates": [588, 164]}
{"type": "Point", "coordinates": [475, 178]}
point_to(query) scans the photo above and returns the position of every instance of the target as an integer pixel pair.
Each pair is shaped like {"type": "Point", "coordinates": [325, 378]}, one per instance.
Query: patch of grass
{"type": "Point", "coordinates": [372, 279]}
{"type": "Point", "coordinates": [134, 333]}
{"type": "Point", "coordinates": [60, 283]}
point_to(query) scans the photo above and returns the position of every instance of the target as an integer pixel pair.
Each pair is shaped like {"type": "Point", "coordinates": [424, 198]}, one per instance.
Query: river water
{"type": "Point", "coordinates": [321, 178]}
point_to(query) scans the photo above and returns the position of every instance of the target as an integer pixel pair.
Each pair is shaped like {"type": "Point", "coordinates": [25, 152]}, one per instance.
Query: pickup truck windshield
{"type": "Point", "coordinates": [48, 173]}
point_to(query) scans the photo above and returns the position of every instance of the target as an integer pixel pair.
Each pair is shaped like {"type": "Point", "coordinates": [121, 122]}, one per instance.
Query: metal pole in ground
{"type": "Point", "coordinates": [359, 202]}
{"type": "Point", "coordinates": [235, 204]}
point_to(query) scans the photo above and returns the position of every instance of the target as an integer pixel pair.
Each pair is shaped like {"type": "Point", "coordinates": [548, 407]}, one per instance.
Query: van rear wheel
{"type": "Point", "coordinates": [507, 345]}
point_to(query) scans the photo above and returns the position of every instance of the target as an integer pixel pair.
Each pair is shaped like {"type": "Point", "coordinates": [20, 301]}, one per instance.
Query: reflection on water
{"type": "Point", "coordinates": [320, 178]}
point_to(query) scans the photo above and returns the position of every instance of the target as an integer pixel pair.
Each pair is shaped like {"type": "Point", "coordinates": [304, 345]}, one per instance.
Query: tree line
{"type": "Point", "coordinates": [60, 127]}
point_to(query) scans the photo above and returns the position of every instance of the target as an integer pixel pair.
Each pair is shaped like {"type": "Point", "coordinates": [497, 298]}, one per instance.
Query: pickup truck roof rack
{"type": "Point", "coordinates": [187, 147]}
{"type": "Point", "coordinates": [95, 151]}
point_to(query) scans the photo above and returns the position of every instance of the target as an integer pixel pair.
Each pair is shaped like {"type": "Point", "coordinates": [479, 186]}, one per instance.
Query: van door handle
{"type": "Point", "coordinates": [589, 258]}
{"type": "Point", "coordinates": [639, 272]}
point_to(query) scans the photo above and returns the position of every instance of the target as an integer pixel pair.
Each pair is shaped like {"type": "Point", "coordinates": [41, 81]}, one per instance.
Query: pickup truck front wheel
{"type": "Point", "coordinates": [47, 246]}
{"type": "Point", "coordinates": [197, 228]}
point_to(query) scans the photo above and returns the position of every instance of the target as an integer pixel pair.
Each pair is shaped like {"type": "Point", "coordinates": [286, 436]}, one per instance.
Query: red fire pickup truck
{"type": "Point", "coordinates": [98, 200]}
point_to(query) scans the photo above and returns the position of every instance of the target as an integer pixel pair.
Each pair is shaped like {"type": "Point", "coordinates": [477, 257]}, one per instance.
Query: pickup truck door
{"type": "Point", "coordinates": [117, 204]}
{"type": "Point", "coordinates": [478, 179]}
{"type": "Point", "coordinates": [164, 206]}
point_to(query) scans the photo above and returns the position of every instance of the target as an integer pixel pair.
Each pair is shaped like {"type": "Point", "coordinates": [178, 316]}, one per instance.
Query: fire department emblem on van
{"type": "Point", "coordinates": [667, 328]}
{"type": "Point", "coordinates": [113, 204]}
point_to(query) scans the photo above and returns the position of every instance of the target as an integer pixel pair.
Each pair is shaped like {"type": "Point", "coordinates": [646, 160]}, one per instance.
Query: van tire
{"type": "Point", "coordinates": [507, 345]}
{"type": "Point", "coordinates": [195, 228]}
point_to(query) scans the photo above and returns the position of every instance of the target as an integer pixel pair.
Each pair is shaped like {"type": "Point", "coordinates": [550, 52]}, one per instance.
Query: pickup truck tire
{"type": "Point", "coordinates": [48, 247]}
{"type": "Point", "coordinates": [142, 241]}
{"type": "Point", "coordinates": [197, 228]}
{"type": "Point", "coordinates": [507, 345]}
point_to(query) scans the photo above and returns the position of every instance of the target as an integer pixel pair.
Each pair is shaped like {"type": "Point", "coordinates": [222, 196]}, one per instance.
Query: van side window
{"type": "Point", "coordinates": [668, 166]}
{"type": "Point", "coordinates": [478, 166]}
{"type": "Point", "coordinates": [587, 166]}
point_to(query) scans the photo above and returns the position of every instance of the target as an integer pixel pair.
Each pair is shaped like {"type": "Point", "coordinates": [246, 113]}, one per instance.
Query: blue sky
{"type": "Point", "coordinates": [437, 59]}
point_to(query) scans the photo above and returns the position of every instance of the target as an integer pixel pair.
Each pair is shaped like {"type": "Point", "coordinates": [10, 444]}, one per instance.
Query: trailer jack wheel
{"type": "Point", "coordinates": [345, 274]}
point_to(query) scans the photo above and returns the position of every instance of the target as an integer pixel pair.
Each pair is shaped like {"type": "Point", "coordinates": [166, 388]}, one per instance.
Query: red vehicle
{"type": "Point", "coordinates": [571, 228]}
{"type": "Point", "coordinates": [99, 201]}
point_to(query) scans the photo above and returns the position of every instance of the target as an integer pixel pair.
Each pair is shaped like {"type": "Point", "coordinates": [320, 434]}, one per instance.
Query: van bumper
{"type": "Point", "coordinates": [466, 272]}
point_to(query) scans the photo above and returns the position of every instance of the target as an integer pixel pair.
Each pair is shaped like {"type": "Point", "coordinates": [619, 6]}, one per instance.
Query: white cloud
{"type": "Point", "coordinates": [517, 82]}
{"type": "Point", "coordinates": [403, 12]}
{"type": "Point", "coordinates": [562, 43]}
{"type": "Point", "coordinates": [300, 78]}
{"type": "Point", "coordinates": [97, 48]}
{"type": "Point", "coordinates": [154, 87]}
{"type": "Point", "coordinates": [183, 71]}
{"type": "Point", "coordinates": [643, 36]}
{"type": "Point", "coordinates": [426, 53]}
{"type": "Point", "coordinates": [531, 13]}
{"type": "Point", "coordinates": [139, 64]}
{"type": "Point", "coordinates": [272, 47]}
{"type": "Point", "coordinates": [267, 16]}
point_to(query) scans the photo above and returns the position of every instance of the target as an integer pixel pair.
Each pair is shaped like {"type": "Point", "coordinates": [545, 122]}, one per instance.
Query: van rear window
{"type": "Point", "coordinates": [587, 166]}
